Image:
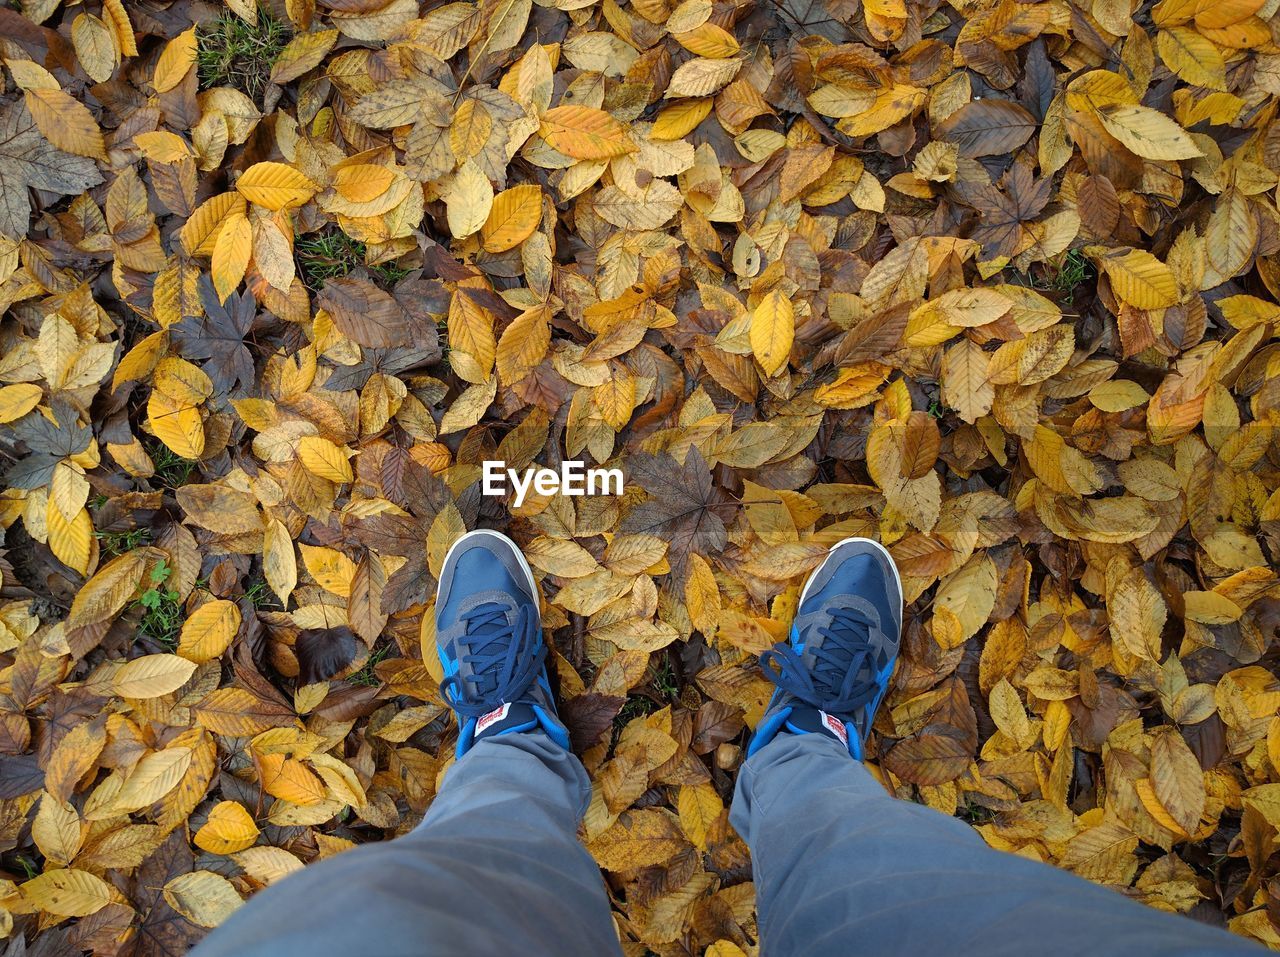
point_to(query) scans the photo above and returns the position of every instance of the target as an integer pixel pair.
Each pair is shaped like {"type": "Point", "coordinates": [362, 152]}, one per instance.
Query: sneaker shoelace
{"type": "Point", "coordinates": [504, 659]}
{"type": "Point", "coordinates": [836, 682]}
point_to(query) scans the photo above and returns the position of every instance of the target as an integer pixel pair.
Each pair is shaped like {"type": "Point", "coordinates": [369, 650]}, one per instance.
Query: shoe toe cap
{"type": "Point", "coordinates": [483, 563]}
{"type": "Point", "coordinates": [863, 569]}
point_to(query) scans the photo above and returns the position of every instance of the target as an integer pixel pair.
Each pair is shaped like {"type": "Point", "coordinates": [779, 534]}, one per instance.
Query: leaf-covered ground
{"type": "Point", "coordinates": [994, 282]}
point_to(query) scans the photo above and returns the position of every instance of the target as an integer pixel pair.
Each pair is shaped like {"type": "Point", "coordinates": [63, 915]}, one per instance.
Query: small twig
{"type": "Point", "coordinates": [483, 47]}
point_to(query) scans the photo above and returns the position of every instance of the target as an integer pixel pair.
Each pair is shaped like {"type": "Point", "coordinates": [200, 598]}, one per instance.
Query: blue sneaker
{"type": "Point", "coordinates": [835, 670]}
{"type": "Point", "coordinates": [489, 638]}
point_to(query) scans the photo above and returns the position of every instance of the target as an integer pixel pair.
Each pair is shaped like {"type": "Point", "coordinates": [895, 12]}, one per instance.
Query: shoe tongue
{"type": "Point", "coordinates": [484, 679]}
{"type": "Point", "coordinates": [505, 719]}
{"type": "Point", "coordinates": [813, 721]}
{"type": "Point", "coordinates": [501, 619]}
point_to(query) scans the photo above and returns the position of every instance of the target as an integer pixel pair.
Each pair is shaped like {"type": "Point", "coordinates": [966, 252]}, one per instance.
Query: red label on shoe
{"type": "Point", "coordinates": [493, 717]}
{"type": "Point", "coordinates": [835, 726]}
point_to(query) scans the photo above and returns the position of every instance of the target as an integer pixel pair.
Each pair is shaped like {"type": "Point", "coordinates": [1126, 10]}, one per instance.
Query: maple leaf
{"type": "Point", "coordinates": [29, 161]}
{"type": "Point", "coordinates": [162, 931]}
{"type": "Point", "coordinates": [423, 496]}
{"type": "Point", "coordinates": [218, 337]}
{"type": "Point", "coordinates": [682, 507]}
{"type": "Point", "coordinates": [48, 443]}
{"type": "Point", "coordinates": [1002, 212]}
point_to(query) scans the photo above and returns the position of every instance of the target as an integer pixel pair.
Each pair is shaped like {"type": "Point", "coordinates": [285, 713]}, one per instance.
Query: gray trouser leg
{"type": "Point", "coordinates": [495, 868]}
{"type": "Point", "coordinates": [842, 868]}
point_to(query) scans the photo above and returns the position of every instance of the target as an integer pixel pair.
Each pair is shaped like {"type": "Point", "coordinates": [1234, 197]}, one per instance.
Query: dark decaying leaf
{"type": "Point", "coordinates": [29, 161]}
{"type": "Point", "coordinates": [682, 508]}
{"type": "Point", "coordinates": [988, 127]}
{"type": "Point", "coordinates": [323, 652]}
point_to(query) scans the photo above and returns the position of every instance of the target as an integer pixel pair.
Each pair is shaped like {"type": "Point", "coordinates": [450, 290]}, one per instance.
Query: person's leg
{"type": "Point", "coordinates": [495, 868]}
{"type": "Point", "coordinates": [842, 868]}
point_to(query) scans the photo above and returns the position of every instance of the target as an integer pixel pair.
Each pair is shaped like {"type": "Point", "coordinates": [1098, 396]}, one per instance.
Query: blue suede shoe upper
{"type": "Point", "coordinates": [489, 639]}
{"type": "Point", "coordinates": [835, 670]}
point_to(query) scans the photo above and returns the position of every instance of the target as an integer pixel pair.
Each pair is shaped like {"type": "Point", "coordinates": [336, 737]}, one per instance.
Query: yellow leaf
{"type": "Point", "coordinates": [446, 528]}
{"type": "Point", "coordinates": [66, 123]}
{"type": "Point", "coordinates": [892, 104]}
{"type": "Point", "coordinates": [56, 830]}
{"type": "Point", "coordinates": [1217, 14]}
{"type": "Point", "coordinates": [231, 255]}
{"type": "Point", "coordinates": [29, 75]}
{"type": "Point", "coordinates": [563, 559]}
{"type": "Point", "coordinates": [209, 630]}
{"type": "Point", "coordinates": [200, 232]}
{"type": "Point", "coordinates": [152, 778]}
{"type": "Point", "coordinates": [17, 400]}
{"type": "Point", "coordinates": [969, 594]}
{"type": "Point", "coordinates": [182, 381]}
{"type": "Point", "coordinates": [290, 780]}
{"type": "Point", "coordinates": [469, 407]}
{"type": "Point", "coordinates": [178, 56]}
{"type": "Point", "coordinates": [95, 46]}
{"type": "Point", "coordinates": [700, 808]}
{"type": "Point", "coordinates": [471, 335]}
{"type": "Point", "coordinates": [321, 457]}
{"type": "Point", "coordinates": [1210, 608]}
{"type": "Point", "coordinates": [71, 541]}
{"type": "Point", "coordinates": [332, 570]}
{"type": "Point", "coordinates": [235, 712]}
{"type": "Point", "coordinates": [275, 186]}
{"type": "Point", "coordinates": [162, 146]}
{"type": "Point", "coordinates": [362, 182]}
{"type": "Point", "coordinates": [279, 564]}
{"type": "Point", "coordinates": [229, 828]}
{"type": "Point", "coordinates": [1118, 395]}
{"type": "Point", "coordinates": [108, 591]}
{"type": "Point", "coordinates": [615, 399]}
{"type": "Point", "coordinates": [853, 387]}
{"type": "Point", "coordinates": [1138, 278]}
{"type": "Point", "coordinates": [523, 345]}
{"type": "Point", "coordinates": [1148, 133]}
{"type": "Point", "coordinates": [302, 53]}
{"type": "Point", "coordinates": [268, 864]}
{"type": "Point", "coordinates": [773, 329]}
{"type": "Point", "coordinates": [638, 839]}
{"type": "Point", "coordinates": [177, 425]}
{"type": "Point", "coordinates": [585, 133]}
{"type": "Point", "coordinates": [468, 198]}
{"type": "Point", "coordinates": [68, 893]}
{"type": "Point", "coordinates": [1008, 713]}
{"type": "Point", "coordinates": [965, 386]}
{"type": "Point", "coordinates": [141, 360]}
{"type": "Point", "coordinates": [202, 897]}
{"type": "Point", "coordinates": [702, 595]}
{"type": "Point", "coordinates": [709, 40]}
{"type": "Point", "coordinates": [152, 676]}
{"type": "Point", "coordinates": [273, 254]}
{"type": "Point", "coordinates": [701, 77]}
{"type": "Point", "coordinates": [1137, 615]}
{"type": "Point", "coordinates": [114, 13]}
{"type": "Point", "coordinates": [1176, 778]}
{"type": "Point", "coordinates": [680, 119]}
{"type": "Point", "coordinates": [1188, 54]}
{"type": "Point", "coordinates": [514, 216]}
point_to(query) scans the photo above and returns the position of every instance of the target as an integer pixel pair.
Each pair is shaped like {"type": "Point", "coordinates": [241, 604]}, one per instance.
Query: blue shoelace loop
{"type": "Point", "coordinates": [836, 682]}
{"type": "Point", "coordinates": [504, 659]}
